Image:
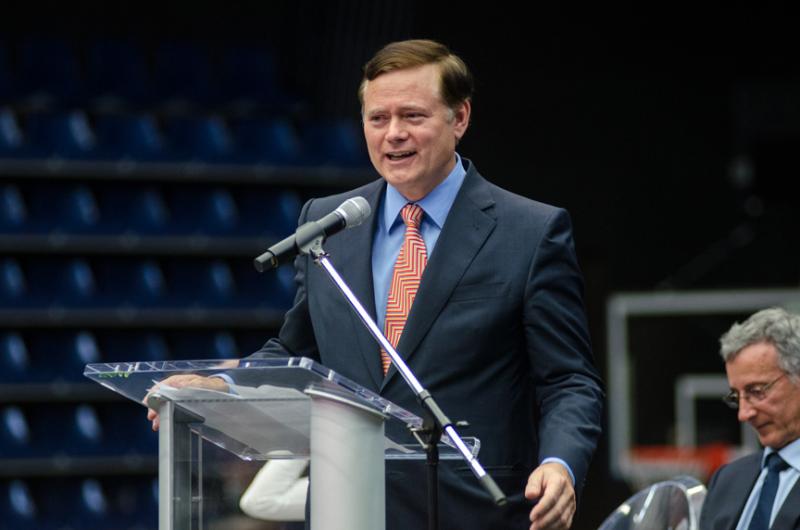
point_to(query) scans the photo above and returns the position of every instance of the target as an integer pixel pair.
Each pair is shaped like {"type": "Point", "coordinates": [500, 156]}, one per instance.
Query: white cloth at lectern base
{"type": "Point", "coordinates": [277, 492]}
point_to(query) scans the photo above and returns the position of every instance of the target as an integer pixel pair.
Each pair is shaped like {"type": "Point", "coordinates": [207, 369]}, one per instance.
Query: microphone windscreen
{"type": "Point", "coordinates": [355, 211]}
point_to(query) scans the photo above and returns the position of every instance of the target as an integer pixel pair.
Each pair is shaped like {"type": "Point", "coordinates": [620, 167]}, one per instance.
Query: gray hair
{"type": "Point", "coordinates": [775, 326]}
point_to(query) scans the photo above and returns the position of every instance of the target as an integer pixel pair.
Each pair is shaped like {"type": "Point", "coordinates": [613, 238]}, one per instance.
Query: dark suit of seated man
{"type": "Point", "coordinates": [760, 491]}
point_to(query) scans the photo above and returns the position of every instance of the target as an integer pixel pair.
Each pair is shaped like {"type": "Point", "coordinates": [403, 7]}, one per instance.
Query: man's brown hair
{"type": "Point", "coordinates": [456, 80]}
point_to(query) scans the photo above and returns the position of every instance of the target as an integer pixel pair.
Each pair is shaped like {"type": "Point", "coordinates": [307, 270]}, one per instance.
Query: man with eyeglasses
{"type": "Point", "coordinates": [760, 491]}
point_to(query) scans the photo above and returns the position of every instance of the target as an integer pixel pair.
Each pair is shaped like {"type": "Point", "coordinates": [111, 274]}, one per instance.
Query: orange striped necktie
{"type": "Point", "coordinates": [405, 279]}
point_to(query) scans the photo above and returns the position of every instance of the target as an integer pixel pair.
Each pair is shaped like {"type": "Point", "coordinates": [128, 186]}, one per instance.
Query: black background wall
{"type": "Point", "coordinates": [671, 136]}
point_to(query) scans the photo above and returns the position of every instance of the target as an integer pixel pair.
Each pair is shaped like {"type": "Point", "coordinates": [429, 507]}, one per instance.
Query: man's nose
{"type": "Point", "coordinates": [746, 410]}
{"type": "Point", "coordinates": [397, 130]}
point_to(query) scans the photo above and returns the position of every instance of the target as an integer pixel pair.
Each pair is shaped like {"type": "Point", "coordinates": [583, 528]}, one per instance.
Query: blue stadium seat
{"type": "Point", "coordinates": [71, 430]}
{"type": "Point", "coordinates": [86, 435]}
{"type": "Point", "coordinates": [129, 208]}
{"type": "Point", "coordinates": [223, 212]}
{"type": "Point", "coordinates": [15, 361]}
{"type": "Point", "coordinates": [149, 213]}
{"type": "Point", "coordinates": [89, 503]}
{"type": "Point", "coordinates": [267, 141]}
{"type": "Point", "coordinates": [13, 212]}
{"type": "Point", "coordinates": [84, 351]}
{"type": "Point", "coordinates": [199, 139]}
{"type": "Point", "coordinates": [118, 73]}
{"type": "Point", "coordinates": [13, 284]}
{"type": "Point", "coordinates": [59, 283]}
{"type": "Point", "coordinates": [92, 509]}
{"type": "Point", "coordinates": [201, 283]}
{"type": "Point", "coordinates": [338, 143]}
{"type": "Point", "coordinates": [149, 283]}
{"type": "Point", "coordinates": [135, 501]}
{"type": "Point", "coordinates": [78, 503]}
{"type": "Point", "coordinates": [271, 291]}
{"type": "Point", "coordinates": [133, 282]}
{"type": "Point", "coordinates": [18, 506]}
{"type": "Point", "coordinates": [63, 134]}
{"type": "Point", "coordinates": [127, 430]}
{"type": "Point", "coordinates": [12, 141]}
{"type": "Point", "coordinates": [225, 346]}
{"type": "Point", "coordinates": [78, 285]}
{"type": "Point", "coordinates": [80, 211]}
{"type": "Point", "coordinates": [16, 440]}
{"type": "Point", "coordinates": [61, 355]}
{"type": "Point", "coordinates": [221, 284]}
{"type": "Point", "coordinates": [62, 430]}
{"type": "Point", "coordinates": [269, 212]}
{"type": "Point", "coordinates": [133, 137]}
{"type": "Point", "coordinates": [49, 68]}
{"type": "Point", "coordinates": [200, 210]}
{"type": "Point", "coordinates": [67, 208]}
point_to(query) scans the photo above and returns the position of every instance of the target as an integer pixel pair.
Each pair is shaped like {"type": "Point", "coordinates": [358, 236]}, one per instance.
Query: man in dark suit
{"type": "Point", "coordinates": [760, 491]}
{"type": "Point", "coordinates": [495, 326]}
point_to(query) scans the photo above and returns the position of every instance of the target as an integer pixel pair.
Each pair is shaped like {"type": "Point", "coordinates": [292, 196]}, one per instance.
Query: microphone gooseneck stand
{"type": "Point", "coordinates": [436, 422]}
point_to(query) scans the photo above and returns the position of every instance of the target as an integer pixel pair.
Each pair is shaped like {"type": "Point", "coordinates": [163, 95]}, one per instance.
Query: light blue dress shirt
{"type": "Point", "coordinates": [391, 230]}
{"type": "Point", "coordinates": [788, 477]}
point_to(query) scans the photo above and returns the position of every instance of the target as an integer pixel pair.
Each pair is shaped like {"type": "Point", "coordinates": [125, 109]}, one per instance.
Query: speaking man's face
{"type": "Point", "coordinates": [411, 133]}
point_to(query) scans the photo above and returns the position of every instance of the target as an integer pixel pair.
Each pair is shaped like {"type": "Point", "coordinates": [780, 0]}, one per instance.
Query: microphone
{"type": "Point", "coordinates": [350, 213]}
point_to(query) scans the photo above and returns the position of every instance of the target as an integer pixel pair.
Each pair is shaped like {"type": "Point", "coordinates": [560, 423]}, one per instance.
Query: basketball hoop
{"type": "Point", "coordinates": [649, 464]}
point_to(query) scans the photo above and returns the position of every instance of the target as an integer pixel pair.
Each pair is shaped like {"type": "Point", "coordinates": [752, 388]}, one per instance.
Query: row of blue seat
{"type": "Point", "coordinates": [147, 137]}
{"type": "Point", "coordinates": [69, 72]}
{"type": "Point", "coordinates": [34, 207]}
{"type": "Point", "coordinates": [128, 282]}
{"type": "Point", "coordinates": [66, 430]}
{"type": "Point", "coordinates": [79, 503]}
{"type": "Point", "coordinates": [60, 355]}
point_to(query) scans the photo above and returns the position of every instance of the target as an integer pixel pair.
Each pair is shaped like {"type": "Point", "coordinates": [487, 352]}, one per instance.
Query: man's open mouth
{"type": "Point", "coordinates": [400, 155]}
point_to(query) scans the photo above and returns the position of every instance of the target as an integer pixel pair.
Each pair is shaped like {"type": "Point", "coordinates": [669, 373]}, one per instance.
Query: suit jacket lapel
{"type": "Point", "coordinates": [731, 495]}
{"type": "Point", "coordinates": [789, 514]}
{"type": "Point", "coordinates": [467, 226]}
{"type": "Point", "coordinates": [740, 490]}
{"type": "Point", "coordinates": [353, 249]}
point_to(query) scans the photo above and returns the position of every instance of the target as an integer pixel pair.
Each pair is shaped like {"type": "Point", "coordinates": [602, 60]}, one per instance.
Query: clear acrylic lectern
{"type": "Point", "coordinates": [287, 407]}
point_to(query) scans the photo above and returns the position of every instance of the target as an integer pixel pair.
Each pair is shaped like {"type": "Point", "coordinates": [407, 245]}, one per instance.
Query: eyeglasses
{"type": "Point", "coordinates": [751, 394]}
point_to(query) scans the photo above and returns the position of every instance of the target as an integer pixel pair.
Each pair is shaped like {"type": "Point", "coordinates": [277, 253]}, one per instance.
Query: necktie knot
{"type": "Point", "coordinates": [775, 463]}
{"type": "Point", "coordinates": [412, 215]}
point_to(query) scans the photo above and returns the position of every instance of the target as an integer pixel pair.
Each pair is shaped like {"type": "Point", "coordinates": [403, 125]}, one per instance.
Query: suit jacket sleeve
{"type": "Point", "coordinates": [568, 390]}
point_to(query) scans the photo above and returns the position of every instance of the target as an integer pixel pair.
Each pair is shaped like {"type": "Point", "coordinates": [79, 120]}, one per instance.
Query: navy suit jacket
{"type": "Point", "coordinates": [729, 489]}
{"type": "Point", "coordinates": [497, 334]}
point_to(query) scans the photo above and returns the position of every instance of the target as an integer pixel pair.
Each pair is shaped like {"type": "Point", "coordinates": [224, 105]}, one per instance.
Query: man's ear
{"type": "Point", "coordinates": [461, 116]}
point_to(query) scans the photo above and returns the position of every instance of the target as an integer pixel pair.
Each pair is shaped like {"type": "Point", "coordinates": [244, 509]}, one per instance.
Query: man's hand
{"type": "Point", "coordinates": [550, 486]}
{"type": "Point", "coordinates": [181, 381]}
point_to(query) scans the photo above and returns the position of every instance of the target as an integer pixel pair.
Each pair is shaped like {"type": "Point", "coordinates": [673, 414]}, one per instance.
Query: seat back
{"type": "Point", "coordinates": [669, 504]}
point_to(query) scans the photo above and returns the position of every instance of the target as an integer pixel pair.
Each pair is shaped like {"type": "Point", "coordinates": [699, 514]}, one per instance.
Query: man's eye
{"type": "Point", "coordinates": [377, 119]}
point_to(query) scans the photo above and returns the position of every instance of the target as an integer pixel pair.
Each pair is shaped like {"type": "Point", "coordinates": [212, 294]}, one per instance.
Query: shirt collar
{"type": "Point", "coordinates": [436, 204]}
{"type": "Point", "coordinates": [790, 453]}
